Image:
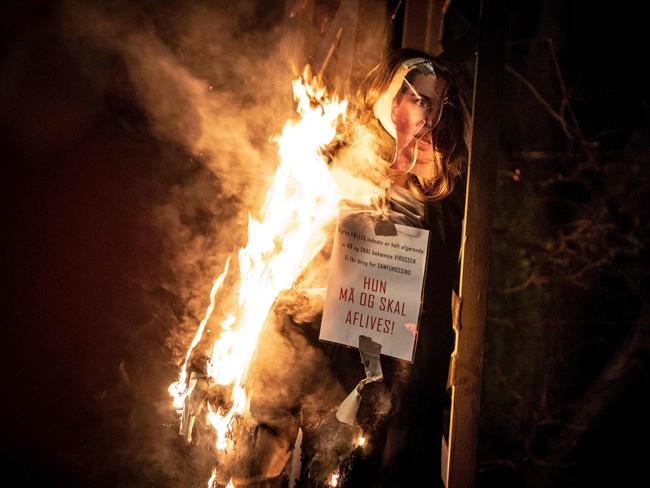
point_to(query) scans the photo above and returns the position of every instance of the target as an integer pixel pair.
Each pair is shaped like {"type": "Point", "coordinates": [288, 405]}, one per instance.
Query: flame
{"type": "Point", "coordinates": [334, 479]}
{"type": "Point", "coordinates": [301, 201]}
{"type": "Point", "coordinates": [213, 478]}
{"type": "Point", "coordinates": [178, 390]}
{"type": "Point", "coordinates": [361, 441]}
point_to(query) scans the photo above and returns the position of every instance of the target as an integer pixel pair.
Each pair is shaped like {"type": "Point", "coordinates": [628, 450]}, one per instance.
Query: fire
{"type": "Point", "coordinates": [301, 201]}
{"type": "Point", "coordinates": [213, 478]}
{"type": "Point", "coordinates": [178, 389]}
{"type": "Point", "coordinates": [361, 441]}
{"type": "Point", "coordinates": [334, 479]}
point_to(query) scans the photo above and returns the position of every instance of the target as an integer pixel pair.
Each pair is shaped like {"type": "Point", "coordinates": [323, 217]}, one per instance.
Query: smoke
{"type": "Point", "coordinates": [213, 82]}
{"type": "Point", "coordinates": [216, 83]}
{"type": "Point", "coordinates": [205, 85]}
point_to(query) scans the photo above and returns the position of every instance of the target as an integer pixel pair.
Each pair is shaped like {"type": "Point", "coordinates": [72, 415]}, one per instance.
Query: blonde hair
{"type": "Point", "coordinates": [448, 138]}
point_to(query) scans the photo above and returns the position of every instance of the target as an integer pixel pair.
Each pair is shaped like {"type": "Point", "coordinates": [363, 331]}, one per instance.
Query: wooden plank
{"type": "Point", "coordinates": [423, 25]}
{"type": "Point", "coordinates": [339, 43]}
{"type": "Point", "coordinates": [477, 230]}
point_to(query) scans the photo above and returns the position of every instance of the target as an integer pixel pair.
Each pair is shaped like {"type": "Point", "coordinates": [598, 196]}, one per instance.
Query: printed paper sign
{"type": "Point", "coordinates": [375, 285]}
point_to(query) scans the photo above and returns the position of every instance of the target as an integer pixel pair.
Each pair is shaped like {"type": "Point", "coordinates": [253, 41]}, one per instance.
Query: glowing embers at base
{"type": "Point", "coordinates": [285, 236]}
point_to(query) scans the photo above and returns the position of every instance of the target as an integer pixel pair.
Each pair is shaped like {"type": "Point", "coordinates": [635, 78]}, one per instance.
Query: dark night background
{"type": "Point", "coordinates": [566, 391]}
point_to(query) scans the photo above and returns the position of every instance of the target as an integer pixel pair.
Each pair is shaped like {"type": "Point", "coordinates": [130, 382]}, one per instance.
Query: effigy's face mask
{"type": "Point", "coordinates": [410, 111]}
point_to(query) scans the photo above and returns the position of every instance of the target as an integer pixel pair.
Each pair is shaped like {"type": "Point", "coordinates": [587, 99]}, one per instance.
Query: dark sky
{"type": "Point", "coordinates": [78, 246]}
{"type": "Point", "coordinates": [82, 257]}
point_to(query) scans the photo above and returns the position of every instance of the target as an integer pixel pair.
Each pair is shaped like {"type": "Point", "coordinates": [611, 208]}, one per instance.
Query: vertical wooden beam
{"type": "Point", "coordinates": [477, 230]}
{"type": "Point", "coordinates": [423, 25]}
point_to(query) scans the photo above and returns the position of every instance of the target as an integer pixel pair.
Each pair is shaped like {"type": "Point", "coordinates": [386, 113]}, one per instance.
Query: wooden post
{"type": "Point", "coordinates": [423, 25]}
{"type": "Point", "coordinates": [467, 370]}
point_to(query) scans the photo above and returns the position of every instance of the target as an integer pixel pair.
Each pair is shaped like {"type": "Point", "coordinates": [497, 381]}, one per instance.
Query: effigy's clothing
{"type": "Point", "coordinates": [405, 209]}
{"type": "Point", "coordinates": [402, 416]}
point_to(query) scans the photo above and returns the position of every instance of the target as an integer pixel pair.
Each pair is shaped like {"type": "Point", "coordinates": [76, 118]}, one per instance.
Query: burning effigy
{"type": "Point", "coordinates": [300, 204]}
{"type": "Point", "coordinates": [339, 255]}
{"type": "Point", "coordinates": [321, 350]}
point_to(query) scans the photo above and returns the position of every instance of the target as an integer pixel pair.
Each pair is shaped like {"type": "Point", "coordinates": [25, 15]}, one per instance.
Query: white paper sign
{"type": "Point", "coordinates": [375, 285]}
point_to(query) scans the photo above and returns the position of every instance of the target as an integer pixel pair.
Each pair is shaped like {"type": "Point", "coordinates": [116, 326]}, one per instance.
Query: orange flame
{"type": "Point", "coordinates": [301, 201]}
